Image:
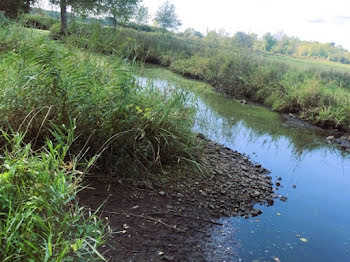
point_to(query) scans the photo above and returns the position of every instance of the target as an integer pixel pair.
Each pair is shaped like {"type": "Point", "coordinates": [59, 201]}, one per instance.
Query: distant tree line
{"type": "Point", "coordinates": [278, 43]}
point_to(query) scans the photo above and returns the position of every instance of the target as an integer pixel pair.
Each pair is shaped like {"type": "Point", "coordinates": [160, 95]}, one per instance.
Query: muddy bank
{"type": "Point", "coordinates": [333, 136]}
{"type": "Point", "coordinates": [170, 223]}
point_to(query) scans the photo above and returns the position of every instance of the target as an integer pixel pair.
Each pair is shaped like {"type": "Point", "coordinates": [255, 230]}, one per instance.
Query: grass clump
{"type": "Point", "coordinates": [40, 219]}
{"type": "Point", "coordinates": [38, 21]}
{"type": "Point", "coordinates": [140, 130]}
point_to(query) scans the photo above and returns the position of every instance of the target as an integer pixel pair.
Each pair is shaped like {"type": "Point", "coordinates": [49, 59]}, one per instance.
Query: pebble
{"type": "Point", "coordinates": [283, 198]}
{"type": "Point", "coordinates": [162, 193]}
{"type": "Point", "coordinates": [234, 189]}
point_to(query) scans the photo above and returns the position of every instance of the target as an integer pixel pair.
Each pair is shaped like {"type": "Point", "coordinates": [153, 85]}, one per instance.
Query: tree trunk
{"type": "Point", "coordinates": [72, 15]}
{"type": "Point", "coordinates": [63, 4]}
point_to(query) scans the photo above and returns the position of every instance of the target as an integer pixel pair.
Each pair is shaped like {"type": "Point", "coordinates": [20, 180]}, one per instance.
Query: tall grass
{"type": "Point", "coordinates": [135, 132]}
{"type": "Point", "coordinates": [44, 82]}
{"type": "Point", "coordinates": [40, 219]}
{"type": "Point", "coordinates": [315, 93]}
{"type": "Point", "coordinates": [37, 21]}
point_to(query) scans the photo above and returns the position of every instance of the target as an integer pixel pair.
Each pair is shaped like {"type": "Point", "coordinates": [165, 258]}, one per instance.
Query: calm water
{"type": "Point", "coordinates": [314, 223]}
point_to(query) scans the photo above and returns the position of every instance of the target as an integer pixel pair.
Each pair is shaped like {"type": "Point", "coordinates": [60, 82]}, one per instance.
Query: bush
{"type": "Point", "coordinates": [55, 31]}
{"type": "Point", "coordinates": [38, 21]}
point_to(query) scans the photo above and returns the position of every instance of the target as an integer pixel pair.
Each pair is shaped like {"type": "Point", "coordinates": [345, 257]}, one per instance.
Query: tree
{"type": "Point", "coordinates": [269, 41]}
{"type": "Point", "coordinates": [244, 40]}
{"type": "Point", "coordinates": [191, 32]}
{"type": "Point", "coordinates": [166, 17]}
{"type": "Point", "coordinates": [81, 5]}
{"type": "Point", "coordinates": [13, 7]}
{"type": "Point", "coordinates": [121, 10]}
{"type": "Point", "coordinates": [141, 16]}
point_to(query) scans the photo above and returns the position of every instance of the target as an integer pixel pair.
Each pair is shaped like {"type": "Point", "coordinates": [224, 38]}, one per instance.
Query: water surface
{"type": "Point", "coordinates": [313, 225]}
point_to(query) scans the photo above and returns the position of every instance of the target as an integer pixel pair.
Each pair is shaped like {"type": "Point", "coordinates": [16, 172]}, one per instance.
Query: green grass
{"type": "Point", "coordinates": [40, 219]}
{"type": "Point", "coordinates": [304, 63]}
{"type": "Point", "coordinates": [146, 130]}
{"type": "Point", "coordinates": [37, 21]}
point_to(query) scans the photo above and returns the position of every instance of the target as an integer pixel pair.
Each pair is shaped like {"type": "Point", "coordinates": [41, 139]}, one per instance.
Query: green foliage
{"type": "Point", "coordinates": [166, 17]}
{"type": "Point", "coordinates": [141, 15]}
{"type": "Point", "coordinates": [144, 129]}
{"type": "Point", "coordinates": [40, 219]}
{"type": "Point", "coordinates": [121, 10]}
{"type": "Point", "coordinates": [38, 21]}
{"type": "Point", "coordinates": [316, 92]}
{"type": "Point", "coordinates": [13, 7]}
{"type": "Point", "coordinates": [269, 42]}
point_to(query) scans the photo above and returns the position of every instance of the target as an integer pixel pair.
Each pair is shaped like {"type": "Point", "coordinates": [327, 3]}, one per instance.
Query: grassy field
{"type": "Point", "coordinates": [65, 111]}
{"type": "Point", "coordinates": [315, 64]}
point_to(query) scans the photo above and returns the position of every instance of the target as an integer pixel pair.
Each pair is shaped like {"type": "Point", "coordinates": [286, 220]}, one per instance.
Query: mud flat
{"type": "Point", "coordinates": [170, 223]}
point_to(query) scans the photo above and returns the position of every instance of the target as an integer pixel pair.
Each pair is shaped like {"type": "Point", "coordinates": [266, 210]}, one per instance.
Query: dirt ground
{"type": "Point", "coordinates": [172, 223]}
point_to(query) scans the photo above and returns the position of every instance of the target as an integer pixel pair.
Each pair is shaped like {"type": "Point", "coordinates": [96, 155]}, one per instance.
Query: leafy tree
{"type": "Point", "coordinates": [77, 5]}
{"type": "Point", "coordinates": [121, 10]}
{"type": "Point", "coordinates": [191, 32]}
{"type": "Point", "coordinates": [13, 7]}
{"type": "Point", "coordinates": [141, 16]}
{"type": "Point", "coordinates": [166, 17]}
{"type": "Point", "coordinates": [244, 40]}
{"type": "Point", "coordinates": [269, 41]}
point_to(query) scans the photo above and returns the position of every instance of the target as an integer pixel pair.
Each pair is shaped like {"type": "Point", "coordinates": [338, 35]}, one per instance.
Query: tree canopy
{"type": "Point", "coordinates": [120, 10]}
{"type": "Point", "coordinates": [166, 17]}
{"type": "Point", "coordinates": [141, 16]}
{"type": "Point", "coordinates": [13, 7]}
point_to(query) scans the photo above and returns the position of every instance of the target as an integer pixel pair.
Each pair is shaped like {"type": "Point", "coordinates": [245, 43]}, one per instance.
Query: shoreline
{"type": "Point", "coordinates": [171, 223]}
{"type": "Point", "coordinates": [341, 137]}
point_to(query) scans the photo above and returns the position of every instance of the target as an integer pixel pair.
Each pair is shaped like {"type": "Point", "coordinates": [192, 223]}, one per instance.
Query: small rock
{"type": "Point", "coordinates": [294, 186]}
{"type": "Point", "coordinates": [243, 101]}
{"type": "Point", "coordinates": [258, 166]}
{"type": "Point", "coordinates": [225, 213]}
{"type": "Point", "coordinates": [270, 201]}
{"type": "Point", "coordinates": [330, 138]}
{"type": "Point", "coordinates": [283, 198]}
{"type": "Point", "coordinates": [162, 193]}
{"type": "Point", "coordinates": [256, 212]}
{"type": "Point", "coordinates": [278, 184]}
{"type": "Point", "coordinates": [279, 179]}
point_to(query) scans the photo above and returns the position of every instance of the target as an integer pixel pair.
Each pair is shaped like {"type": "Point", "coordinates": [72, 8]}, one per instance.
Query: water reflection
{"type": "Point", "coordinates": [313, 224]}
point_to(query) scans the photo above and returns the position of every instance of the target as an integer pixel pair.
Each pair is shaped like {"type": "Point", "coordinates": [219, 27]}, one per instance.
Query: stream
{"type": "Point", "coordinates": [313, 224]}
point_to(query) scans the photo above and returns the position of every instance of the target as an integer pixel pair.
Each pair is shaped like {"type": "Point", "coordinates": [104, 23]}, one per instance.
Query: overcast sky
{"type": "Point", "coordinates": [312, 20]}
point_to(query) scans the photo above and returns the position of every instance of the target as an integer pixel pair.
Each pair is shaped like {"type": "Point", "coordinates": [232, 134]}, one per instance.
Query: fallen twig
{"type": "Point", "coordinates": [147, 218]}
{"type": "Point", "coordinates": [189, 217]}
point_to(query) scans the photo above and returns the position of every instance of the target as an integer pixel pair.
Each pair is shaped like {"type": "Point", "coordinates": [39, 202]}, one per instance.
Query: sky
{"type": "Point", "coordinates": [312, 20]}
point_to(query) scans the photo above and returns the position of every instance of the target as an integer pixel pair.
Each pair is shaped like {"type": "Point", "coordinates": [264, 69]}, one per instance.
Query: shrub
{"type": "Point", "coordinates": [38, 21]}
